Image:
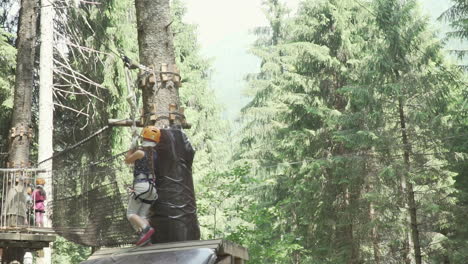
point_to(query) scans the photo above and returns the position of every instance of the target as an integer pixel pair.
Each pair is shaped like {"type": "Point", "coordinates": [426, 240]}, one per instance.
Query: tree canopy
{"type": "Point", "coordinates": [352, 149]}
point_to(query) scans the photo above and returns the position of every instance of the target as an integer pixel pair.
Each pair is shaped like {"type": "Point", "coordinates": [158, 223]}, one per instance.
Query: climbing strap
{"type": "Point", "coordinates": [132, 100]}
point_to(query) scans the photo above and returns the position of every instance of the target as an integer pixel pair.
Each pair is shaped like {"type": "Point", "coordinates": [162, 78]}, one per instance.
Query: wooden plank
{"type": "Point", "coordinates": [42, 230]}
{"type": "Point", "coordinates": [213, 244]}
{"type": "Point", "coordinates": [239, 261]}
{"type": "Point", "coordinates": [229, 248]}
{"type": "Point", "coordinates": [224, 249]}
{"type": "Point", "coordinates": [126, 122]}
{"type": "Point", "coordinates": [225, 260]}
{"type": "Point", "coordinates": [36, 241]}
{"type": "Point", "coordinates": [26, 237]}
{"type": "Point", "coordinates": [24, 244]}
{"type": "Point", "coordinates": [140, 251]}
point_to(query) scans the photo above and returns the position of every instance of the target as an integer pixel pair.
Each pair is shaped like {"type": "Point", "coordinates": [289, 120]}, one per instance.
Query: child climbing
{"type": "Point", "coordinates": [38, 197]}
{"type": "Point", "coordinates": [144, 190]}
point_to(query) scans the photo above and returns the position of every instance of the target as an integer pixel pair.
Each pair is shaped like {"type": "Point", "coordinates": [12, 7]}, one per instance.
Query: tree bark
{"type": "Point", "coordinates": [155, 41]}
{"type": "Point", "coordinates": [21, 120]}
{"type": "Point", "coordinates": [409, 186]}
{"type": "Point", "coordinates": [374, 231]}
{"type": "Point", "coordinates": [156, 47]}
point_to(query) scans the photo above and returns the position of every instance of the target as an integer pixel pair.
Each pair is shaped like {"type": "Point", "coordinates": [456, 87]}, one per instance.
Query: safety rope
{"type": "Point", "coordinates": [132, 100]}
{"type": "Point", "coordinates": [76, 145]}
{"type": "Point", "coordinates": [134, 65]}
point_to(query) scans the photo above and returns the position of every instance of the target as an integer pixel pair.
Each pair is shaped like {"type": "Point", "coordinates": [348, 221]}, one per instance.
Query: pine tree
{"type": "Point", "coordinates": [7, 68]}
{"type": "Point", "coordinates": [457, 16]}
{"type": "Point", "coordinates": [324, 132]}
{"type": "Point", "coordinates": [295, 119]}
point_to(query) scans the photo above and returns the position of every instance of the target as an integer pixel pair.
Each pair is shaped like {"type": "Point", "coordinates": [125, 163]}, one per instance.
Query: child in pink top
{"type": "Point", "coordinates": [38, 197]}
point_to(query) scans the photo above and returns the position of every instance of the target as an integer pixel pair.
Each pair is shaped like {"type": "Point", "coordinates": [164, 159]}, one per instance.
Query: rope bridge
{"type": "Point", "coordinates": [89, 206]}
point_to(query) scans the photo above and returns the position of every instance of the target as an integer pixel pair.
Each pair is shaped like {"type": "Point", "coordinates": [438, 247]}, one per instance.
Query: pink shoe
{"type": "Point", "coordinates": [145, 237]}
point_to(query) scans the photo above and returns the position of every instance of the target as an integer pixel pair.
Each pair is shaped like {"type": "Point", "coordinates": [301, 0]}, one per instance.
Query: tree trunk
{"type": "Point", "coordinates": [374, 232]}
{"type": "Point", "coordinates": [353, 243]}
{"type": "Point", "coordinates": [371, 177]}
{"type": "Point", "coordinates": [155, 41]}
{"type": "Point", "coordinates": [409, 186]}
{"type": "Point", "coordinates": [21, 119]}
{"type": "Point", "coordinates": [46, 109]}
{"type": "Point", "coordinates": [161, 96]}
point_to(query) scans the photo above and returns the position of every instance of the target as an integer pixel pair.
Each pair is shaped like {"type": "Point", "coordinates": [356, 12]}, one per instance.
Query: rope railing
{"type": "Point", "coordinates": [17, 199]}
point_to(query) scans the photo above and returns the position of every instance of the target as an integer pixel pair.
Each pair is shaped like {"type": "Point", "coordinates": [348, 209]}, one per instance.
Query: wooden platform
{"type": "Point", "coordinates": [227, 252]}
{"type": "Point", "coordinates": [32, 238]}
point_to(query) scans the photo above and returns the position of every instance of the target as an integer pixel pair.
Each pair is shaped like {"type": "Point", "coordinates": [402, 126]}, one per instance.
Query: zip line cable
{"type": "Point", "coordinates": [268, 166]}
{"type": "Point", "coordinates": [76, 144]}
{"type": "Point", "coordinates": [128, 63]}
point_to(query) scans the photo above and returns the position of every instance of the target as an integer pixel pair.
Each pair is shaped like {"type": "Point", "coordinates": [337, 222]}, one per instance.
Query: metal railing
{"type": "Point", "coordinates": [16, 201]}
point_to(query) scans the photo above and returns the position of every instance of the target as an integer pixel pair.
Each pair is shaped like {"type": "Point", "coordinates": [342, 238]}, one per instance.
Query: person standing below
{"type": "Point", "coordinates": [38, 197]}
{"type": "Point", "coordinates": [144, 190]}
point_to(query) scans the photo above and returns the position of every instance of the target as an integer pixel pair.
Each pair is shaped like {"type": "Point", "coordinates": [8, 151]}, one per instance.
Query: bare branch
{"type": "Point", "coordinates": [83, 77]}
{"type": "Point", "coordinates": [77, 85]}
{"type": "Point", "coordinates": [74, 110]}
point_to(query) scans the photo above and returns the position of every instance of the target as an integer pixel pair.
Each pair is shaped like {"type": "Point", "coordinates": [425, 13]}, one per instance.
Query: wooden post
{"type": "Point", "coordinates": [46, 111]}
{"type": "Point", "coordinates": [238, 261]}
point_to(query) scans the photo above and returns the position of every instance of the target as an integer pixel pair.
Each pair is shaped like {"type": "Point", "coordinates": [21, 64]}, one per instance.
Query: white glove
{"type": "Point", "coordinates": [134, 144]}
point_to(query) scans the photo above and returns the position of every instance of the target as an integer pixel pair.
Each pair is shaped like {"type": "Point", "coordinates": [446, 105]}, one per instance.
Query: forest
{"type": "Point", "coordinates": [352, 148]}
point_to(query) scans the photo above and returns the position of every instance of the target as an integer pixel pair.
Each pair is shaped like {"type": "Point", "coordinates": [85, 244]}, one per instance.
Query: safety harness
{"type": "Point", "coordinates": [152, 181]}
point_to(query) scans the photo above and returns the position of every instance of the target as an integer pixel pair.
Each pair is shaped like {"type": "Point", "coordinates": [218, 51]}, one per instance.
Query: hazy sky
{"type": "Point", "coordinates": [218, 19]}
{"type": "Point", "coordinates": [223, 32]}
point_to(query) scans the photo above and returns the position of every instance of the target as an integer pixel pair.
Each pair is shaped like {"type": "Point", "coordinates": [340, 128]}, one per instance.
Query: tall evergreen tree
{"type": "Point", "coordinates": [340, 121]}
{"type": "Point", "coordinates": [457, 15]}
{"type": "Point", "coordinates": [7, 78]}
{"type": "Point", "coordinates": [294, 119]}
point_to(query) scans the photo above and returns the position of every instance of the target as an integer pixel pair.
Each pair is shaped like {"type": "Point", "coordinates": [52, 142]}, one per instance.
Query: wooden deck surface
{"type": "Point", "coordinates": [222, 248]}
{"type": "Point", "coordinates": [28, 237]}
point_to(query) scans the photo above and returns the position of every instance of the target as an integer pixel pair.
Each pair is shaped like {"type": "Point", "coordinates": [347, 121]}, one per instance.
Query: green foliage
{"type": "Point", "coordinates": [209, 133]}
{"type": "Point", "coordinates": [322, 134]}
{"type": "Point", "coordinates": [65, 252]}
{"type": "Point", "coordinates": [7, 80]}
{"type": "Point", "coordinates": [457, 16]}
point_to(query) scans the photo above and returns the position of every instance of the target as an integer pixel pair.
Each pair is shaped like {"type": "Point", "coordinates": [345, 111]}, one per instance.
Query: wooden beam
{"type": "Point", "coordinates": [239, 261]}
{"type": "Point", "coordinates": [26, 237]}
{"type": "Point", "coordinates": [125, 123]}
{"type": "Point", "coordinates": [21, 240]}
{"type": "Point", "coordinates": [229, 248]}
{"type": "Point", "coordinates": [225, 260]}
{"type": "Point", "coordinates": [223, 249]}
{"type": "Point", "coordinates": [24, 244]}
{"type": "Point", "coordinates": [164, 247]}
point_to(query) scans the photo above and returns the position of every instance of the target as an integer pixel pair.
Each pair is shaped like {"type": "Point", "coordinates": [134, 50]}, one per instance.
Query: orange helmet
{"type": "Point", "coordinates": [40, 181]}
{"type": "Point", "coordinates": [151, 133]}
